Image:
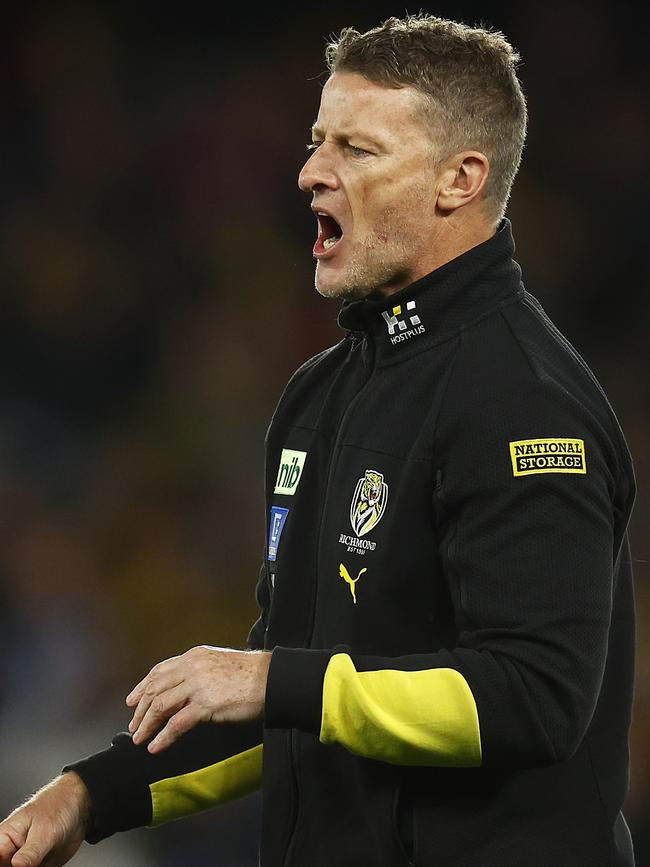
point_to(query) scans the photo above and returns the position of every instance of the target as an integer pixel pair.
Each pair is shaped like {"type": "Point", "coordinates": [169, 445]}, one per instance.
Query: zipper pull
{"type": "Point", "coordinates": [356, 338]}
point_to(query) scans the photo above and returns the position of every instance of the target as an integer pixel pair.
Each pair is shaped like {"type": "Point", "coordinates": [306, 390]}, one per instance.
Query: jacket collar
{"type": "Point", "coordinates": [441, 304]}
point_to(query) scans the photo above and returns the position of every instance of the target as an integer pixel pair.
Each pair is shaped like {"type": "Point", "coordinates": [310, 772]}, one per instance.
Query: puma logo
{"type": "Point", "coordinates": [345, 575]}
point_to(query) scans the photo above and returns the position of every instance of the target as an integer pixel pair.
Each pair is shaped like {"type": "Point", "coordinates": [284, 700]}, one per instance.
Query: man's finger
{"type": "Point", "coordinates": [139, 712]}
{"type": "Point", "coordinates": [36, 847]}
{"type": "Point", "coordinates": [161, 708]}
{"type": "Point", "coordinates": [156, 674]}
{"type": "Point", "coordinates": [181, 722]}
{"type": "Point", "coordinates": [7, 848]}
{"type": "Point", "coordinates": [162, 676]}
{"type": "Point", "coordinates": [61, 856]}
{"type": "Point", "coordinates": [134, 696]}
{"type": "Point", "coordinates": [153, 689]}
{"type": "Point", "coordinates": [53, 860]}
{"type": "Point", "coordinates": [31, 854]}
{"type": "Point", "coordinates": [142, 696]}
{"type": "Point", "coordinates": [138, 690]}
{"type": "Point", "coordinates": [12, 837]}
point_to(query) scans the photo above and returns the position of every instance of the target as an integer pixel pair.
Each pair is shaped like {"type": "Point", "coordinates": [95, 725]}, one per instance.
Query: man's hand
{"type": "Point", "coordinates": [206, 684]}
{"type": "Point", "coordinates": [49, 828]}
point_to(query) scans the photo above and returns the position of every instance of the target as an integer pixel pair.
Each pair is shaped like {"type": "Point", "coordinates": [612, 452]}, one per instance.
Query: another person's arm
{"type": "Point", "coordinates": [127, 786]}
{"type": "Point", "coordinates": [53, 823]}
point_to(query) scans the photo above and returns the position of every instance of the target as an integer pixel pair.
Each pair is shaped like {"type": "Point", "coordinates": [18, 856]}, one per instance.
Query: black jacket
{"type": "Point", "coordinates": [447, 586]}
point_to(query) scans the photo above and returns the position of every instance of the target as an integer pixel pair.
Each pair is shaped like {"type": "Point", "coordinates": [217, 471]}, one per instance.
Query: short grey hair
{"type": "Point", "coordinates": [467, 75]}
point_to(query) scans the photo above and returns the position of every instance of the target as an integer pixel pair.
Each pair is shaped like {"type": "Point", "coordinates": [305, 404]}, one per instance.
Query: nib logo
{"type": "Point", "coordinates": [289, 472]}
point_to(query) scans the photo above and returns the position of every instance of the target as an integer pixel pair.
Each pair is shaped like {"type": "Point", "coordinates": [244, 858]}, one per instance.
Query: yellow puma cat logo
{"type": "Point", "coordinates": [345, 575]}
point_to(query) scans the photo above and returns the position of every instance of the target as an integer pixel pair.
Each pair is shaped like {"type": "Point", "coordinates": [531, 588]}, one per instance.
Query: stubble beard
{"type": "Point", "coordinates": [378, 266]}
{"type": "Point", "coordinates": [373, 269]}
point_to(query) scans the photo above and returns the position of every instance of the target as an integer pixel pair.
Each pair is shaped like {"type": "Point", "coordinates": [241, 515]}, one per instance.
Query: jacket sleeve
{"type": "Point", "coordinates": [208, 766]}
{"type": "Point", "coordinates": [529, 534]}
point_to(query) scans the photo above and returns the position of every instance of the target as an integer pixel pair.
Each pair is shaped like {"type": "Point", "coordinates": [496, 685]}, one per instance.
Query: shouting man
{"type": "Point", "coordinates": [441, 673]}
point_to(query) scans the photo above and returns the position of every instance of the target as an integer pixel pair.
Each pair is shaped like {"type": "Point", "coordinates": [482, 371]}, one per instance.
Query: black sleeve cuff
{"type": "Point", "coordinates": [294, 690]}
{"type": "Point", "coordinates": [119, 795]}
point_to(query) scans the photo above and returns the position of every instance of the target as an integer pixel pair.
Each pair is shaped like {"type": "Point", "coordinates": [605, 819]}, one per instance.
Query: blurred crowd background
{"type": "Point", "coordinates": [156, 287]}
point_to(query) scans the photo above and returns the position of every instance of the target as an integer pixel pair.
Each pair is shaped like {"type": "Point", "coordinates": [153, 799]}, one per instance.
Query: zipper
{"type": "Point", "coordinates": [270, 581]}
{"type": "Point", "coordinates": [356, 342]}
{"type": "Point", "coordinates": [332, 467]}
{"type": "Point", "coordinates": [296, 798]}
{"type": "Point", "coordinates": [356, 337]}
{"type": "Point", "coordinates": [405, 841]}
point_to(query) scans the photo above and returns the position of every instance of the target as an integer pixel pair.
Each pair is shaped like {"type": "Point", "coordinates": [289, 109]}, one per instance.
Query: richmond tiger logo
{"type": "Point", "coordinates": [369, 502]}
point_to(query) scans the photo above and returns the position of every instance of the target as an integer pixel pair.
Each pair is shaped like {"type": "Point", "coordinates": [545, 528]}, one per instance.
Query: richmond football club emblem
{"type": "Point", "coordinates": [369, 502]}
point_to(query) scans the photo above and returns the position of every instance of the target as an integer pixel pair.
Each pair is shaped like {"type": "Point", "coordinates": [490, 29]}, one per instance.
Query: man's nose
{"type": "Point", "coordinates": [319, 170]}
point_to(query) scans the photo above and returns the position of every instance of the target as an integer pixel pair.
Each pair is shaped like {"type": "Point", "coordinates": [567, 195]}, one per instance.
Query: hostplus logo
{"type": "Point", "coordinates": [398, 329]}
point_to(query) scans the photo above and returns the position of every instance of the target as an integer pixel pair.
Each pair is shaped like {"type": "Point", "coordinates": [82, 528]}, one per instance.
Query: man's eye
{"type": "Point", "coordinates": [358, 152]}
{"type": "Point", "coordinates": [313, 145]}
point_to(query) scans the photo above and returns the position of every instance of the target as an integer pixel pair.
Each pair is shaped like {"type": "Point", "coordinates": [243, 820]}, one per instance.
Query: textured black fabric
{"type": "Point", "coordinates": [118, 778]}
{"type": "Point", "coordinates": [522, 583]}
{"type": "Point", "coordinates": [118, 789]}
{"type": "Point", "coordinates": [300, 671]}
{"type": "Point", "coordinates": [513, 580]}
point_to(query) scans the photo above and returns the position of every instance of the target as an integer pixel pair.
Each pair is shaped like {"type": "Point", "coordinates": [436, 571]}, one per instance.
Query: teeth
{"type": "Point", "coordinates": [329, 242]}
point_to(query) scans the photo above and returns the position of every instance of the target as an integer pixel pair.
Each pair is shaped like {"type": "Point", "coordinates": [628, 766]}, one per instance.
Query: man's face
{"type": "Point", "coordinates": [372, 180]}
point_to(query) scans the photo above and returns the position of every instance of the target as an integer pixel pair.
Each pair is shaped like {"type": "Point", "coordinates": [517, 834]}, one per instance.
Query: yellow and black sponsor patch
{"type": "Point", "coordinates": [554, 455]}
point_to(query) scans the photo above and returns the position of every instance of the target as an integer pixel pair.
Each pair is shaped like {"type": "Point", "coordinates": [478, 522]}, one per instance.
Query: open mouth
{"type": "Point", "coordinates": [329, 233]}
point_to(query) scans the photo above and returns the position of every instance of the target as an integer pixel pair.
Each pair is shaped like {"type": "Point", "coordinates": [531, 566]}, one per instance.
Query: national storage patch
{"type": "Point", "coordinates": [556, 455]}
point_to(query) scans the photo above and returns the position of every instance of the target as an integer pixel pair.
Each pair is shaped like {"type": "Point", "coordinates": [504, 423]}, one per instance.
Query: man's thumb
{"type": "Point", "coordinates": [30, 855]}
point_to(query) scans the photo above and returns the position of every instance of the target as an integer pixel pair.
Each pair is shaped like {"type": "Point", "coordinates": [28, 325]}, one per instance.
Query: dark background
{"type": "Point", "coordinates": [156, 293]}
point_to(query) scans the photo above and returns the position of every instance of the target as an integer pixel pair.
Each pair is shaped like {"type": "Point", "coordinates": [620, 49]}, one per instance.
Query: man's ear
{"type": "Point", "coordinates": [462, 179]}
